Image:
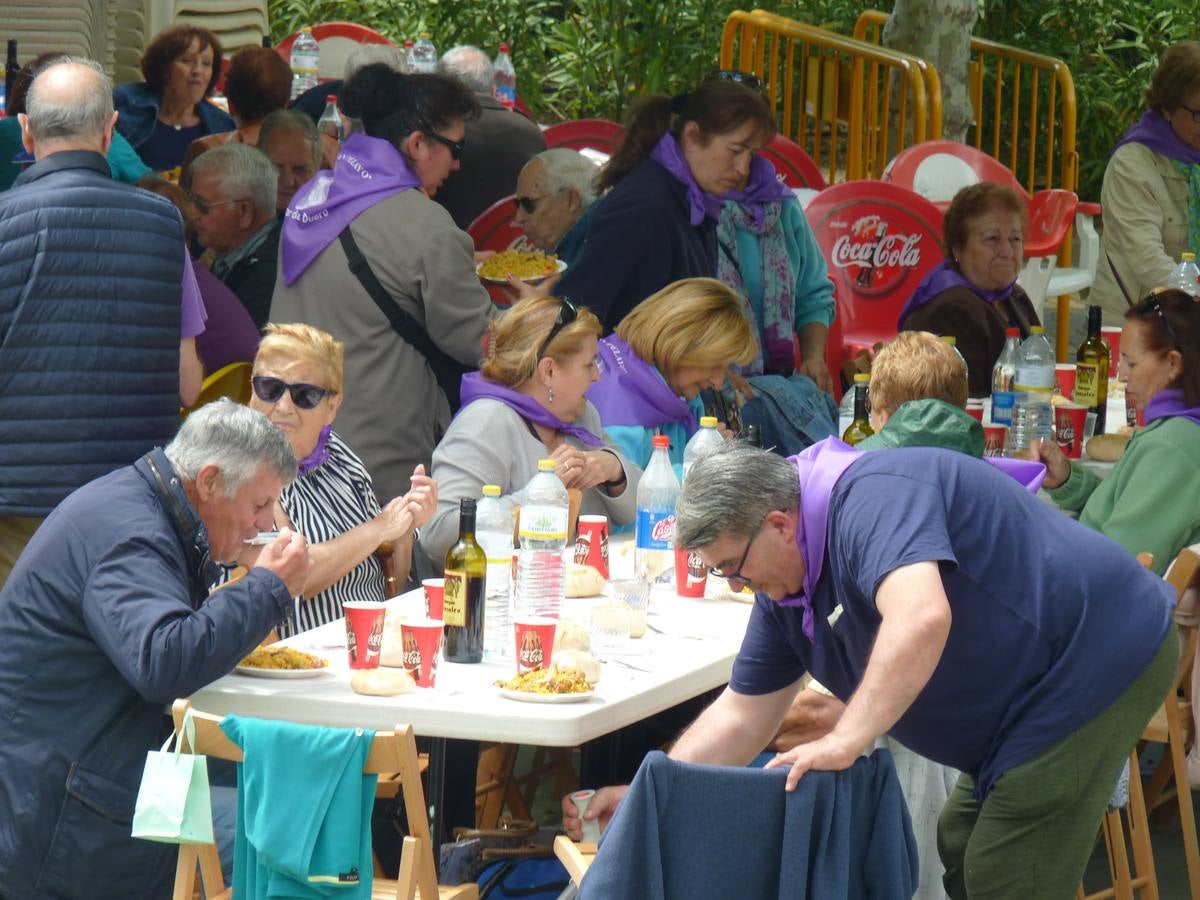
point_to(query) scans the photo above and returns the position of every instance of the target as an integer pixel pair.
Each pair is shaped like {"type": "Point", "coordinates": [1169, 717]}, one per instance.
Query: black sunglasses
{"type": "Point", "coordinates": [567, 313]}
{"type": "Point", "coordinates": [745, 78]}
{"type": "Point", "coordinates": [304, 396]}
{"type": "Point", "coordinates": [1151, 304]}
{"type": "Point", "coordinates": [529, 204]}
{"type": "Point", "coordinates": [455, 147]}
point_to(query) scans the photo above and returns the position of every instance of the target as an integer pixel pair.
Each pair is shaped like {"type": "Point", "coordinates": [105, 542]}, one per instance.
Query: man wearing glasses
{"type": "Point", "coordinates": [233, 189]}
{"type": "Point", "coordinates": [951, 609]}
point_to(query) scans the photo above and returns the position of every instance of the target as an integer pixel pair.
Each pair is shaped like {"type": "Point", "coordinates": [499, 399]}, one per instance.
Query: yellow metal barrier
{"type": "Point", "coordinates": [850, 104]}
{"type": "Point", "coordinates": [1024, 108]}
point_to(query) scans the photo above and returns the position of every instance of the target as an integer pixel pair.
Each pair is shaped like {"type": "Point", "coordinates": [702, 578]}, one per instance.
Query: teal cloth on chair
{"type": "Point", "coordinates": [304, 810]}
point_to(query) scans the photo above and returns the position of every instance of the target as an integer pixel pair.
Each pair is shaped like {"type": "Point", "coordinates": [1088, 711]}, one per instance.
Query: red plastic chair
{"type": "Point", "coordinates": [793, 163]}
{"type": "Point", "coordinates": [337, 40]}
{"type": "Point", "coordinates": [879, 241]}
{"type": "Point", "coordinates": [937, 170]}
{"type": "Point", "coordinates": [598, 134]}
{"type": "Point", "coordinates": [494, 229]}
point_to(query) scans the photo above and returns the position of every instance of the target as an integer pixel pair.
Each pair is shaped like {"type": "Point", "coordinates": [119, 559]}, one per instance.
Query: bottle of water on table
{"type": "Point", "coordinates": [541, 569]}
{"type": "Point", "coordinates": [704, 441]}
{"type": "Point", "coordinates": [305, 60]}
{"type": "Point", "coordinates": [494, 532]}
{"type": "Point", "coordinates": [1034, 384]}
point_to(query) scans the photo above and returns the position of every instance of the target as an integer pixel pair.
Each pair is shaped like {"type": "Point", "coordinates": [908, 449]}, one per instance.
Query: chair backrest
{"type": "Point", "coordinates": [1050, 216]}
{"type": "Point", "coordinates": [1184, 577]}
{"type": "Point", "coordinates": [792, 163]}
{"type": "Point", "coordinates": [391, 752]}
{"type": "Point", "coordinates": [879, 241]}
{"type": "Point", "coordinates": [597, 134]}
{"type": "Point", "coordinates": [337, 40]}
{"type": "Point", "coordinates": [231, 381]}
{"type": "Point", "coordinates": [937, 170]}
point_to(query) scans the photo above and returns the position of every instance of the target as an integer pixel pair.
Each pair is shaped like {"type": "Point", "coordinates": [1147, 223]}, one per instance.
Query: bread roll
{"type": "Point", "coordinates": [583, 581]}
{"type": "Point", "coordinates": [579, 661]}
{"type": "Point", "coordinates": [382, 682]}
{"type": "Point", "coordinates": [392, 651]}
{"type": "Point", "coordinates": [570, 636]}
{"type": "Point", "coordinates": [1106, 447]}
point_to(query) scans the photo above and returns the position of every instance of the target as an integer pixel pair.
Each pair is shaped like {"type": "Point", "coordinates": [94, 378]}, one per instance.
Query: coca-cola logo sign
{"type": "Point", "coordinates": [875, 255]}
{"type": "Point", "coordinates": [664, 530]}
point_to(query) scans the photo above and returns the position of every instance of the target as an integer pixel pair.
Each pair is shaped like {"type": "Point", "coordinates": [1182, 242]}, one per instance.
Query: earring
{"type": "Point", "coordinates": [550, 394]}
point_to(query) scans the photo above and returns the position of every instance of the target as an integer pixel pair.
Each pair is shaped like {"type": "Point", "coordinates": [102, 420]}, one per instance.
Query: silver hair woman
{"type": "Point", "coordinates": [234, 438]}
{"type": "Point", "coordinates": [729, 492]}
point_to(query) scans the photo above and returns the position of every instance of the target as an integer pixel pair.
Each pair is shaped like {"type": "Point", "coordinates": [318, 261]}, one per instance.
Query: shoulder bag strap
{"type": "Point", "coordinates": [1129, 301]}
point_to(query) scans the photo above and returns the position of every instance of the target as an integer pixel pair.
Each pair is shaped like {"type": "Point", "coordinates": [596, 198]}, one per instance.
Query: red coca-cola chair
{"type": "Point", "coordinates": [596, 134]}
{"type": "Point", "coordinates": [879, 241]}
{"type": "Point", "coordinates": [494, 229]}
{"type": "Point", "coordinates": [793, 163]}
{"type": "Point", "coordinates": [337, 40]}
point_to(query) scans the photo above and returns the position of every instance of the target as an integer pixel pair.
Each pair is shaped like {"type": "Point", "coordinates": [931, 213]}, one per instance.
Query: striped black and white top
{"type": "Point", "coordinates": [328, 501]}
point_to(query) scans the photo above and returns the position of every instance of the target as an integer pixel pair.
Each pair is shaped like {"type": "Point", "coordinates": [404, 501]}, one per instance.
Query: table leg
{"type": "Point", "coordinates": [436, 776]}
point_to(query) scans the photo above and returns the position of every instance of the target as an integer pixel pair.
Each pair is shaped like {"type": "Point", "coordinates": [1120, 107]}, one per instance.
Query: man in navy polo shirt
{"type": "Point", "coordinates": [951, 609]}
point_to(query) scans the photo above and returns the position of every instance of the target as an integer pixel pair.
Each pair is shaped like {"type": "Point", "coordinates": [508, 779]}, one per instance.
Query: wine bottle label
{"type": "Point", "coordinates": [1087, 384]}
{"type": "Point", "coordinates": [544, 523]}
{"type": "Point", "coordinates": [454, 599]}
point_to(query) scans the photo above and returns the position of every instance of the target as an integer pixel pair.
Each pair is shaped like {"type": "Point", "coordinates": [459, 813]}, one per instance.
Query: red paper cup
{"type": "Point", "coordinates": [364, 632]}
{"type": "Point", "coordinates": [1069, 422]}
{"type": "Point", "coordinates": [591, 543]}
{"type": "Point", "coordinates": [422, 640]}
{"type": "Point", "coordinates": [434, 594]}
{"type": "Point", "coordinates": [1111, 335]}
{"type": "Point", "coordinates": [690, 573]}
{"type": "Point", "coordinates": [994, 439]}
{"type": "Point", "coordinates": [535, 642]}
{"type": "Point", "coordinates": [1065, 374]}
{"type": "Point", "coordinates": [975, 410]}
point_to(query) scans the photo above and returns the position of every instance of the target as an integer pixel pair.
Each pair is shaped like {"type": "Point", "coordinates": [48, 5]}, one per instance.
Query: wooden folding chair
{"type": "Point", "coordinates": [394, 751]}
{"type": "Point", "coordinates": [1140, 881]}
{"type": "Point", "coordinates": [575, 857]}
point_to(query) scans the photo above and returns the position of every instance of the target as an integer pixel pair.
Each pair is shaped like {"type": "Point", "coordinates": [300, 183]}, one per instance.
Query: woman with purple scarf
{"type": "Point", "coordinates": [1148, 503]}
{"type": "Point", "coordinates": [528, 402]}
{"type": "Point", "coordinates": [973, 294]}
{"type": "Point", "coordinates": [1151, 192]}
{"type": "Point", "coordinates": [657, 223]}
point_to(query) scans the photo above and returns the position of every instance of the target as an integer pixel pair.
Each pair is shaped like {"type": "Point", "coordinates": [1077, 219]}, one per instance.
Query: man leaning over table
{"type": "Point", "coordinates": [107, 619]}
{"type": "Point", "coordinates": [951, 609]}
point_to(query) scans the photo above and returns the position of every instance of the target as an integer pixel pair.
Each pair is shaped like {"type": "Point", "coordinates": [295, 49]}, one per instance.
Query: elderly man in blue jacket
{"type": "Point", "coordinates": [105, 620]}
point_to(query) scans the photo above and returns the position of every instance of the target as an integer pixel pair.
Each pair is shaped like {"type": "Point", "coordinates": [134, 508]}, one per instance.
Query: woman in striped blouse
{"type": "Point", "coordinates": [297, 382]}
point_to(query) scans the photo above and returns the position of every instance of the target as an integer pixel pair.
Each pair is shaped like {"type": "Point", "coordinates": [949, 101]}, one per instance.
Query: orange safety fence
{"type": "Point", "coordinates": [850, 104]}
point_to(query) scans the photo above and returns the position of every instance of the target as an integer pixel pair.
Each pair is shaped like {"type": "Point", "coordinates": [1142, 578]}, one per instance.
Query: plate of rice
{"type": "Point", "coordinates": [281, 662]}
{"type": "Point", "coordinates": [530, 266]}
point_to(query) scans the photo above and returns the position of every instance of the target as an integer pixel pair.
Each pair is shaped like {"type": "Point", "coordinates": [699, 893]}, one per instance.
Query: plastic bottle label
{"type": "Point", "coordinates": [506, 94]}
{"type": "Point", "coordinates": [655, 529]}
{"type": "Point", "coordinates": [454, 599]}
{"type": "Point", "coordinates": [543, 523]}
{"type": "Point", "coordinates": [1087, 384]}
{"type": "Point", "coordinates": [1034, 379]}
{"type": "Point", "coordinates": [1002, 407]}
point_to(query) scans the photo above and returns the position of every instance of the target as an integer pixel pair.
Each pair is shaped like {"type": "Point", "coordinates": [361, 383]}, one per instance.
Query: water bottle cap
{"type": "Point", "coordinates": [708, 421]}
{"type": "Point", "coordinates": [408, 43]}
{"type": "Point", "coordinates": [424, 35]}
{"type": "Point", "coordinates": [491, 490]}
{"type": "Point", "coordinates": [306, 28]}
{"type": "Point", "coordinates": [1187, 256]}
{"type": "Point", "coordinates": [948, 339]}
{"type": "Point", "coordinates": [861, 377]}
{"type": "Point", "coordinates": [545, 465]}
{"type": "Point", "coordinates": [504, 48]}
{"type": "Point", "coordinates": [661, 442]}
{"type": "Point", "coordinates": [1037, 329]}
{"type": "Point", "coordinates": [1012, 332]}
{"type": "Point", "coordinates": [331, 98]}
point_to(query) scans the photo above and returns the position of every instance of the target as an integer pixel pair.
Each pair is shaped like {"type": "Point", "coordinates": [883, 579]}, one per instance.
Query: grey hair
{"type": "Point", "coordinates": [245, 172]}
{"type": "Point", "coordinates": [729, 491]}
{"type": "Point", "coordinates": [369, 54]}
{"type": "Point", "coordinates": [291, 120]}
{"type": "Point", "coordinates": [569, 169]}
{"type": "Point", "coordinates": [83, 115]}
{"type": "Point", "coordinates": [469, 65]}
{"type": "Point", "coordinates": [234, 438]}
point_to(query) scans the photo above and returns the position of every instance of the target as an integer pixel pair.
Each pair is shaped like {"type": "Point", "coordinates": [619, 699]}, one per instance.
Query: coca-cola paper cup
{"type": "Point", "coordinates": [591, 543]}
{"type": "Point", "coordinates": [422, 639]}
{"type": "Point", "coordinates": [364, 632]}
{"type": "Point", "coordinates": [994, 438]}
{"type": "Point", "coordinates": [1069, 422]}
{"type": "Point", "coordinates": [1064, 374]}
{"type": "Point", "coordinates": [1111, 335]}
{"type": "Point", "coordinates": [690, 573]}
{"type": "Point", "coordinates": [535, 642]}
{"type": "Point", "coordinates": [975, 410]}
{"type": "Point", "coordinates": [435, 592]}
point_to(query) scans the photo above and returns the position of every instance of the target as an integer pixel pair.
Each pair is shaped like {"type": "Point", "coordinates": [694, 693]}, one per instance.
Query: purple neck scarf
{"type": "Point", "coordinates": [368, 170]}
{"type": "Point", "coordinates": [320, 452]}
{"type": "Point", "coordinates": [819, 467]}
{"type": "Point", "coordinates": [632, 392]}
{"type": "Point", "coordinates": [1153, 130]}
{"type": "Point", "coordinates": [943, 277]}
{"type": "Point", "coordinates": [476, 387]}
{"type": "Point", "coordinates": [1169, 402]}
{"type": "Point", "coordinates": [761, 188]}
{"type": "Point", "coordinates": [668, 154]}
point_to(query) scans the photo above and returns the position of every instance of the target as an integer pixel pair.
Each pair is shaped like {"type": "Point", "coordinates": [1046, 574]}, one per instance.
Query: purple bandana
{"type": "Point", "coordinates": [320, 452]}
{"type": "Point", "coordinates": [943, 277]}
{"type": "Point", "coordinates": [1025, 472]}
{"type": "Point", "coordinates": [476, 387]}
{"type": "Point", "coordinates": [1169, 402]}
{"type": "Point", "coordinates": [819, 467]}
{"type": "Point", "coordinates": [368, 170]}
{"type": "Point", "coordinates": [668, 154]}
{"type": "Point", "coordinates": [1153, 130]}
{"type": "Point", "coordinates": [763, 187]}
{"type": "Point", "coordinates": [632, 392]}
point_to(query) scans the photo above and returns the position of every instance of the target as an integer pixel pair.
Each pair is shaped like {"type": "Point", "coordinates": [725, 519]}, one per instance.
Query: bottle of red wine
{"type": "Point", "coordinates": [11, 69]}
{"type": "Point", "coordinates": [465, 589]}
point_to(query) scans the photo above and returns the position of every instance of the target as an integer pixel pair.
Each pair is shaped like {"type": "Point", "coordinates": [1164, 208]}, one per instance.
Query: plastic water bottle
{"type": "Point", "coordinates": [1186, 276]}
{"type": "Point", "coordinates": [1035, 380]}
{"type": "Point", "coordinates": [331, 122]}
{"type": "Point", "coordinates": [952, 342]}
{"type": "Point", "coordinates": [657, 496]}
{"type": "Point", "coordinates": [504, 82]}
{"type": "Point", "coordinates": [409, 65]}
{"type": "Point", "coordinates": [424, 54]}
{"type": "Point", "coordinates": [494, 532]}
{"type": "Point", "coordinates": [1003, 373]}
{"type": "Point", "coordinates": [703, 441]}
{"type": "Point", "coordinates": [305, 61]}
{"type": "Point", "coordinates": [541, 569]}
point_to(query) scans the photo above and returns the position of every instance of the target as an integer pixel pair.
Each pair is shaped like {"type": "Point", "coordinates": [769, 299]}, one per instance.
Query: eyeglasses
{"type": "Point", "coordinates": [1195, 113]}
{"type": "Point", "coordinates": [1152, 304]}
{"type": "Point", "coordinates": [567, 313]}
{"type": "Point", "coordinates": [304, 396]}
{"type": "Point", "coordinates": [204, 207]}
{"type": "Point", "coordinates": [529, 204]}
{"type": "Point", "coordinates": [744, 78]}
{"type": "Point", "coordinates": [736, 575]}
{"type": "Point", "coordinates": [455, 147]}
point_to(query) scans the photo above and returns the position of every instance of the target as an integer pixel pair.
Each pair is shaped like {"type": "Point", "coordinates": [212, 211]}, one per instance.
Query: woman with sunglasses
{"type": "Point", "coordinates": [529, 402]}
{"type": "Point", "coordinates": [1151, 192]}
{"type": "Point", "coordinates": [1148, 503]}
{"type": "Point", "coordinates": [415, 259]}
{"type": "Point", "coordinates": [658, 221]}
{"type": "Point", "coordinates": [297, 382]}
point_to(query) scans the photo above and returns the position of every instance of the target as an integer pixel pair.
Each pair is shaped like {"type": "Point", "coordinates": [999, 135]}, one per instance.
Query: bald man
{"type": "Point", "coordinates": [96, 294]}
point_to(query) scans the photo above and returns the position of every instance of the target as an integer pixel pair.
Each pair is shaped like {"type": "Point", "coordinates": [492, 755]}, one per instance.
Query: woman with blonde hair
{"type": "Point", "coordinates": [528, 402]}
{"type": "Point", "coordinates": [298, 385]}
{"type": "Point", "coordinates": [673, 345]}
